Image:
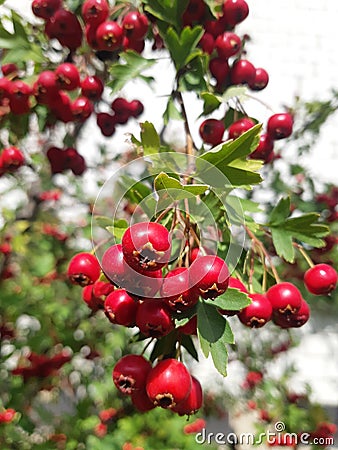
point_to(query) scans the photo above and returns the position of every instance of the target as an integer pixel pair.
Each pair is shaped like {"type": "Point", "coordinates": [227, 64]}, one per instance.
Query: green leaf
{"type": "Point", "coordinates": [183, 47]}
{"type": "Point", "coordinates": [192, 79]}
{"type": "Point", "coordinates": [118, 228]}
{"type": "Point", "coordinates": [103, 221]}
{"type": "Point", "coordinates": [150, 140]}
{"type": "Point", "coordinates": [219, 354]}
{"type": "Point", "coordinates": [280, 212]}
{"type": "Point", "coordinates": [171, 112]}
{"type": "Point", "coordinates": [175, 189]}
{"type": "Point", "coordinates": [232, 299]}
{"type": "Point", "coordinates": [283, 244]}
{"type": "Point", "coordinates": [130, 66]}
{"type": "Point", "coordinates": [211, 102]}
{"type": "Point", "coordinates": [170, 11]}
{"type": "Point", "coordinates": [188, 344]}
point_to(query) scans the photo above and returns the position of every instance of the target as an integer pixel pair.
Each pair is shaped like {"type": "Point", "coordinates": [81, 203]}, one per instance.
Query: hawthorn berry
{"type": "Point", "coordinates": [109, 36]}
{"type": "Point", "coordinates": [106, 122]}
{"type": "Point", "coordinates": [95, 12]}
{"type": "Point", "coordinates": [141, 401]}
{"type": "Point", "coordinates": [11, 159]}
{"type": "Point", "coordinates": [19, 93]}
{"type": "Point", "coordinates": [242, 72]}
{"type": "Point", "coordinates": [81, 108]}
{"type": "Point", "coordinates": [67, 77]}
{"type": "Point", "coordinates": [257, 313]}
{"type": "Point", "coordinates": [83, 269]}
{"type": "Point", "coordinates": [209, 276]}
{"type": "Point", "coordinates": [45, 8]}
{"type": "Point", "coordinates": [293, 320]}
{"type": "Point", "coordinates": [135, 25]}
{"type": "Point", "coordinates": [320, 279]}
{"type": "Point", "coordinates": [264, 148]}
{"type": "Point", "coordinates": [9, 69]}
{"type": "Point", "coordinates": [228, 44]}
{"type": "Point", "coordinates": [153, 318]}
{"type": "Point", "coordinates": [92, 88]}
{"type": "Point", "coordinates": [193, 402]}
{"type": "Point", "coordinates": [285, 298]}
{"type": "Point", "coordinates": [207, 43]}
{"type": "Point", "coordinates": [146, 246]}
{"type": "Point", "coordinates": [168, 383]}
{"type": "Point", "coordinates": [120, 308]}
{"type": "Point", "coordinates": [239, 127]}
{"type": "Point", "coordinates": [190, 327]}
{"type": "Point", "coordinates": [235, 11]}
{"type": "Point", "coordinates": [130, 373]}
{"type": "Point", "coordinates": [280, 126]}
{"type": "Point", "coordinates": [220, 69]}
{"type": "Point", "coordinates": [211, 131]}
{"type": "Point", "coordinates": [261, 80]}
{"type": "Point", "coordinates": [45, 88]}
{"type": "Point", "coordinates": [175, 290]}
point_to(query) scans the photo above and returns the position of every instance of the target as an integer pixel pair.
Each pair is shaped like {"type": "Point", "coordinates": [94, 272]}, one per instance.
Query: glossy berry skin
{"type": "Point", "coordinates": [113, 265]}
{"type": "Point", "coordinates": [141, 400]}
{"type": "Point", "coordinates": [220, 69]}
{"type": "Point", "coordinates": [193, 402]}
{"type": "Point", "coordinates": [209, 276]}
{"type": "Point", "coordinates": [146, 246]}
{"type": "Point", "coordinates": [130, 373]}
{"type": "Point", "coordinates": [294, 320]}
{"type": "Point", "coordinates": [67, 76]}
{"type": "Point", "coordinates": [106, 122]}
{"type": "Point", "coordinates": [207, 43]}
{"type": "Point", "coordinates": [9, 69]}
{"type": "Point", "coordinates": [227, 44]}
{"type": "Point", "coordinates": [261, 80]}
{"type": "Point", "coordinates": [211, 131]}
{"type": "Point", "coordinates": [280, 126]}
{"type": "Point", "coordinates": [320, 279]}
{"type": "Point", "coordinates": [190, 327]}
{"type": "Point", "coordinates": [109, 36]}
{"type": "Point", "coordinates": [235, 11]}
{"type": "Point", "coordinates": [11, 159]}
{"type": "Point", "coordinates": [92, 88]}
{"type": "Point", "coordinates": [264, 148]}
{"type": "Point", "coordinates": [258, 313]}
{"type": "Point", "coordinates": [153, 318]}
{"type": "Point", "coordinates": [239, 127]}
{"type": "Point", "coordinates": [120, 308]}
{"type": "Point", "coordinates": [175, 290]}
{"type": "Point", "coordinates": [45, 8]}
{"type": "Point", "coordinates": [83, 269]}
{"type": "Point", "coordinates": [81, 109]}
{"type": "Point", "coordinates": [135, 25]}
{"type": "Point", "coordinates": [285, 298]}
{"type": "Point", "coordinates": [95, 12]}
{"type": "Point", "coordinates": [242, 72]}
{"type": "Point", "coordinates": [45, 88]}
{"type": "Point", "coordinates": [135, 108]}
{"type": "Point", "coordinates": [168, 383]}
{"type": "Point", "coordinates": [19, 93]}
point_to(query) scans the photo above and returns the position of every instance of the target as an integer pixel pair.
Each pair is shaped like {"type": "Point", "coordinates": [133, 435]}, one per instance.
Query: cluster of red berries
{"type": "Point", "coordinates": [61, 160]}
{"type": "Point", "coordinates": [41, 365]}
{"type": "Point", "coordinates": [11, 159]}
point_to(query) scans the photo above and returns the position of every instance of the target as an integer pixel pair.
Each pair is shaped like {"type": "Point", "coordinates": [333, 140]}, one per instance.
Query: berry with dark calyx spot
{"type": "Point", "coordinates": [193, 402]}
{"type": "Point", "coordinates": [258, 313]}
{"type": "Point", "coordinates": [175, 290]}
{"type": "Point", "coordinates": [95, 12]}
{"type": "Point", "coordinates": [261, 80]}
{"type": "Point", "coordinates": [120, 308]}
{"type": "Point", "coordinates": [141, 400]}
{"type": "Point", "coordinates": [242, 72]}
{"type": "Point", "coordinates": [19, 93]}
{"type": "Point", "coordinates": [109, 36]}
{"type": "Point", "coordinates": [135, 25]}
{"type": "Point", "coordinates": [264, 148]}
{"type": "Point", "coordinates": [83, 269]}
{"type": "Point", "coordinates": [81, 109]}
{"type": "Point", "coordinates": [153, 318]}
{"type": "Point", "coordinates": [146, 246]}
{"type": "Point", "coordinates": [235, 11]}
{"type": "Point", "coordinates": [106, 122]}
{"type": "Point", "coordinates": [67, 77]}
{"type": "Point", "coordinates": [211, 131]}
{"type": "Point", "coordinates": [285, 298]}
{"type": "Point", "coordinates": [11, 159]}
{"type": "Point", "coordinates": [228, 44]}
{"type": "Point", "coordinates": [209, 276]}
{"type": "Point", "coordinates": [45, 8]}
{"type": "Point", "coordinates": [168, 383]}
{"type": "Point", "coordinates": [92, 88]}
{"type": "Point", "coordinates": [239, 127]}
{"type": "Point", "coordinates": [45, 88]}
{"type": "Point", "coordinates": [320, 279]}
{"type": "Point", "coordinates": [293, 320]}
{"type": "Point", "coordinates": [130, 373]}
{"type": "Point", "coordinates": [280, 126]}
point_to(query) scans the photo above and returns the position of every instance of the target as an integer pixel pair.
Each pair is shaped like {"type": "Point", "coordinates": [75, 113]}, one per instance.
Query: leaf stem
{"type": "Point", "coordinates": [304, 254]}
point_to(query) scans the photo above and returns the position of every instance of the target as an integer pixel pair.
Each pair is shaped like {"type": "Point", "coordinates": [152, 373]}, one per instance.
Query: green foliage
{"type": "Point", "coordinates": [183, 47]}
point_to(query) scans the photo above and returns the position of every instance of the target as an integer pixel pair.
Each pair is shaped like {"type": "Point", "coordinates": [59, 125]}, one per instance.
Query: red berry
{"type": "Point", "coordinates": [132, 44]}
{"type": "Point", "coordinates": [7, 415]}
{"type": "Point", "coordinates": [95, 12]}
{"type": "Point", "coordinates": [106, 122]}
{"type": "Point", "coordinates": [293, 320]}
{"type": "Point", "coordinates": [175, 290]}
{"type": "Point", "coordinates": [207, 43]}
{"type": "Point", "coordinates": [19, 93]}
{"type": "Point", "coordinates": [120, 308]}
{"type": "Point", "coordinates": [81, 108]}
{"type": "Point", "coordinates": [257, 313]}
{"type": "Point", "coordinates": [215, 27]}
{"type": "Point", "coordinates": [211, 131]}
{"type": "Point", "coordinates": [9, 69]}
{"type": "Point", "coordinates": [141, 400]}
{"type": "Point", "coordinates": [135, 108]}
{"type": "Point", "coordinates": [153, 318]}
{"type": "Point", "coordinates": [168, 383]}
{"type": "Point", "coordinates": [264, 148]}
{"type": "Point", "coordinates": [45, 8]}
{"type": "Point", "coordinates": [190, 327]}
{"type": "Point", "coordinates": [92, 88]}
{"type": "Point", "coordinates": [320, 279]}
{"type": "Point", "coordinates": [242, 72]}
{"type": "Point", "coordinates": [67, 77]}
{"type": "Point", "coordinates": [113, 265]}
{"type": "Point", "coordinates": [135, 25]}
{"type": "Point", "coordinates": [5, 85]}
{"type": "Point", "coordinates": [227, 44]}
{"type": "Point", "coordinates": [220, 69]}
{"type": "Point", "coordinates": [11, 159]}
{"type": "Point", "coordinates": [109, 36]}
{"type": "Point", "coordinates": [65, 26]}
{"type": "Point", "coordinates": [130, 373]}
{"type": "Point", "coordinates": [120, 106]}
{"type": "Point", "coordinates": [239, 127]}
{"type": "Point", "coordinates": [209, 276]}
{"type": "Point", "coordinates": [146, 246]}
{"type": "Point", "coordinates": [285, 298]}
{"type": "Point", "coordinates": [261, 80]}
{"type": "Point", "coordinates": [194, 12]}
{"type": "Point", "coordinates": [83, 269]}
{"type": "Point", "coordinates": [193, 402]}
{"type": "Point", "coordinates": [56, 159]}
{"type": "Point", "coordinates": [45, 88]}
{"type": "Point", "coordinates": [60, 106]}
{"type": "Point", "coordinates": [235, 11]}
{"type": "Point", "coordinates": [280, 126]}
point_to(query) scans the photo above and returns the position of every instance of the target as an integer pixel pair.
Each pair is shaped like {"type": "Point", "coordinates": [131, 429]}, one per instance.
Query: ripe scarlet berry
{"type": "Point", "coordinates": [106, 122]}
{"type": "Point", "coordinates": [240, 126]}
{"type": "Point", "coordinates": [146, 246]}
{"type": "Point", "coordinates": [175, 290]}
{"type": "Point", "coordinates": [242, 72]}
{"type": "Point", "coordinates": [135, 25]}
{"type": "Point", "coordinates": [209, 276]}
{"type": "Point", "coordinates": [261, 80]}
{"type": "Point", "coordinates": [211, 131]}
{"type": "Point", "coordinates": [83, 269]}
{"type": "Point", "coordinates": [257, 313]}
{"type": "Point", "coordinates": [220, 69]}
{"type": "Point", "coordinates": [95, 12]}
{"type": "Point", "coordinates": [153, 318]}
{"type": "Point", "coordinates": [120, 308]}
{"type": "Point", "coordinates": [19, 93]}
{"type": "Point", "coordinates": [293, 320]}
{"type": "Point", "coordinates": [109, 36]}
{"type": "Point", "coordinates": [113, 264]}
{"type": "Point", "coordinates": [81, 108]}
{"type": "Point", "coordinates": [285, 298]}
{"type": "Point", "coordinates": [168, 383]}
{"type": "Point", "coordinates": [67, 76]}
{"type": "Point", "coordinates": [264, 148]}
{"type": "Point", "coordinates": [45, 88]}
{"type": "Point", "coordinates": [193, 402]}
{"type": "Point", "coordinates": [320, 279]}
{"type": "Point", "coordinates": [235, 11]}
{"type": "Point", "coordinates": [141, 400]}
{"type": "Point", "coordinates": [227, 44]}
{"type": "Point", "coordinates": [130, 373]}
{"type": "Point", "coordinates": [11, 159]}
{"type": "Point", "coordinates": [190, 327]}
{"type": "Point", "coordinates": [280, 126]}
{"type": "Point", "coordinates": [92, 88]}
{"type": "Point", "coordinates": [207, 43]}
{"type": "Point", "coordinates": [45, 8]}
{"type": "Point", "coordinates": [9, 69]}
